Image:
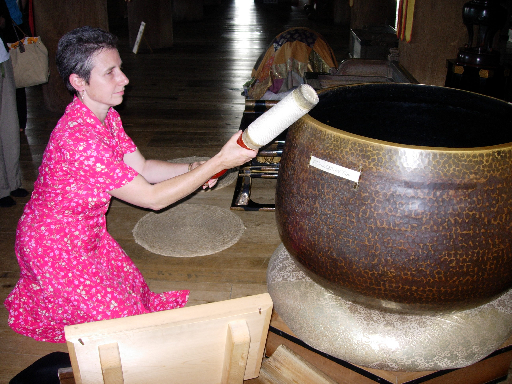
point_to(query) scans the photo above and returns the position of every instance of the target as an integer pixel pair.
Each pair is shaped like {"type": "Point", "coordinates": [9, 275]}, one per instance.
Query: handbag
{"type": "Point", "coordinates": [29, 58]}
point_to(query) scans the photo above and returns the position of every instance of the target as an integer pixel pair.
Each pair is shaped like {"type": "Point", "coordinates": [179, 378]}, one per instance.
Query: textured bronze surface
{"type": "Point", "coordinates": [426, 226]}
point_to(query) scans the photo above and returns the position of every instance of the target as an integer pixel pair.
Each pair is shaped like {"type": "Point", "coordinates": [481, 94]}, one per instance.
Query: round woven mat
{"type": "Point", "coordinates": [226, 179]}
{"type": "Point", "coordinates": [188, 230]}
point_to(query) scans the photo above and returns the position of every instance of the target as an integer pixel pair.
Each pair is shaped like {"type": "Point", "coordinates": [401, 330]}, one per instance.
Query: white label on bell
{"type": "Point", "coordinates": [335, 169]}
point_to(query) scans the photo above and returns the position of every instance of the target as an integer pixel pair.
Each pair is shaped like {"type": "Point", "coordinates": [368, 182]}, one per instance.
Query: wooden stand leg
{"type": "Point", "coordinates": [285, 366]}
{"type": "Point", "coordinates": [237, 350]}
{"type": "Point", "coordinates": [110, 361]}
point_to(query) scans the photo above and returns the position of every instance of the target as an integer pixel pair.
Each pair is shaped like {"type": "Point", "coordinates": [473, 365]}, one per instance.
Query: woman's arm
{"type": "Point", "coordinates": [155, 171]}
{"type": "Point", "coordinates": [141, 192]}
{"type": "Point", "coordinates": [158, 196]}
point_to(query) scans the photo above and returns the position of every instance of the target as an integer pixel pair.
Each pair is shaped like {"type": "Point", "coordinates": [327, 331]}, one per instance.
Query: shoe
{"type": "Point", "coordinates": [7, 201]}
{"type": "Point", "coordinates": [20, 192]}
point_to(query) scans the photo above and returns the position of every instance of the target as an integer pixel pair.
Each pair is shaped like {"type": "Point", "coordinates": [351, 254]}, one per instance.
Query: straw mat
{"type": "Point", "coordinates": [189, 230]}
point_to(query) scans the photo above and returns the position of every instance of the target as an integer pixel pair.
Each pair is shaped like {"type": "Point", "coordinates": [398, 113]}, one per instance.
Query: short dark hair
{"type": "Point", "coordinates": [76, 50]}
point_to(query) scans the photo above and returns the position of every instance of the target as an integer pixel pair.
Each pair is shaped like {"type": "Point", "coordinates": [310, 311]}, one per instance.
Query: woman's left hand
{"type": "Point", "coordinates": [195, 164]}
{"type": "Point", "coordinates": [210, 183]}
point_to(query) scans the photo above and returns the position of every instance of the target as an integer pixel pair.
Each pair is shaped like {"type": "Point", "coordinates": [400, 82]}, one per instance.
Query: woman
{"type": "Point", "coordinates": [72, 270]}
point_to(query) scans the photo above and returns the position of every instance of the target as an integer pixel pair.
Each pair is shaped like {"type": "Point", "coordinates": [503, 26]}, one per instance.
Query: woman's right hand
{"type": "Point", "coordinates": [233, 155]}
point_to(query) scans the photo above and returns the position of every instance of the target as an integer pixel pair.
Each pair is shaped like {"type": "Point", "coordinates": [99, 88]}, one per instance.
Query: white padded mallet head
{"type": "Point", "coordinates": [278, 118]}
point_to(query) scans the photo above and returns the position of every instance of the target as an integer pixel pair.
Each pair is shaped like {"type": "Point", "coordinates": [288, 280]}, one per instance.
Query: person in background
{"type": "Point", "coordinates": [72, 270]}
{"type": "Point", "coordinates": [19, 18]}
{"type": "Point", "coordinates": [10, 172]}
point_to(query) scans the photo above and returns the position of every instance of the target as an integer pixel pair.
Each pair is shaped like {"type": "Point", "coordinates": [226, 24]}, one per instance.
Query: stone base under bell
{"type": "Point", "coordinates": [382, 340]}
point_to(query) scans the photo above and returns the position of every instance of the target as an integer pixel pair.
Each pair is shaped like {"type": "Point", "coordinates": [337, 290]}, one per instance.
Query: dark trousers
{"type": "Point", "coordinates": [43, 371]}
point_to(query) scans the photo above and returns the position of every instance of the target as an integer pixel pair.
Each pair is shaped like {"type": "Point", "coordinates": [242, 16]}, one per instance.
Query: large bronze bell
{"type": "Point", "coordinates": [399, 196]}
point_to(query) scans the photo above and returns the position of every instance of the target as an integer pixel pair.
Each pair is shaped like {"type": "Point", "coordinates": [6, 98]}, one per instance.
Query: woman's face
{"type": "Point", "coordinates": [106, 83]}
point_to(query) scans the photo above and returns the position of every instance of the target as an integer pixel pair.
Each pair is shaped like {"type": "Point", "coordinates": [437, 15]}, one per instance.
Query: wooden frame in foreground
{"type": "Point", "coordinates": [221, 342]}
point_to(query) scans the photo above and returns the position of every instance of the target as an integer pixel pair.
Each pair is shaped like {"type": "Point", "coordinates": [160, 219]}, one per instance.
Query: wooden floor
{"type": "Point", "coordinates": [184, 101]}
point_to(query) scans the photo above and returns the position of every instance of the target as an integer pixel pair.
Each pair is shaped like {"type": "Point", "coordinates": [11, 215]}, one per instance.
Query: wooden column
{"type": "Point", "coordinates": [52, 20]}
{"type": "Point", "coordinates": [438, 33]}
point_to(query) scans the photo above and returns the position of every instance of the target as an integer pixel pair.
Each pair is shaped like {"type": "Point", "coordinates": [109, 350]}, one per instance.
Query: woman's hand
{"type": "Point", "coordinates": [195, 164]}
{"type": "Point", "coordinates": [210, 183]}
{"type": "Point", "coordinates": [233, 155]}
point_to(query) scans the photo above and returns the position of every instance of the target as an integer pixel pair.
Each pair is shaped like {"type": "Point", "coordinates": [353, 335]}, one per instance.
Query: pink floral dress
{"type": "Point", "coordinates": [72, 270]}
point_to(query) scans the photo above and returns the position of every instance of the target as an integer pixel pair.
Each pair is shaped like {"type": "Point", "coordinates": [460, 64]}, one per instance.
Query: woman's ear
{"type": "Point", "coordinates": [77, 82]}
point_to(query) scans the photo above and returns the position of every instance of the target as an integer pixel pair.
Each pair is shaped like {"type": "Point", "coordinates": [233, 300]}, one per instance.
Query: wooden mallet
{"type": "Point", "coordinates": [278, 118]}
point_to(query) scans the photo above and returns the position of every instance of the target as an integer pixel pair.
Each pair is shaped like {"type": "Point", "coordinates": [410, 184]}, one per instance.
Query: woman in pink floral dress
{"type": "Point", "coordinates": [72, 270]}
